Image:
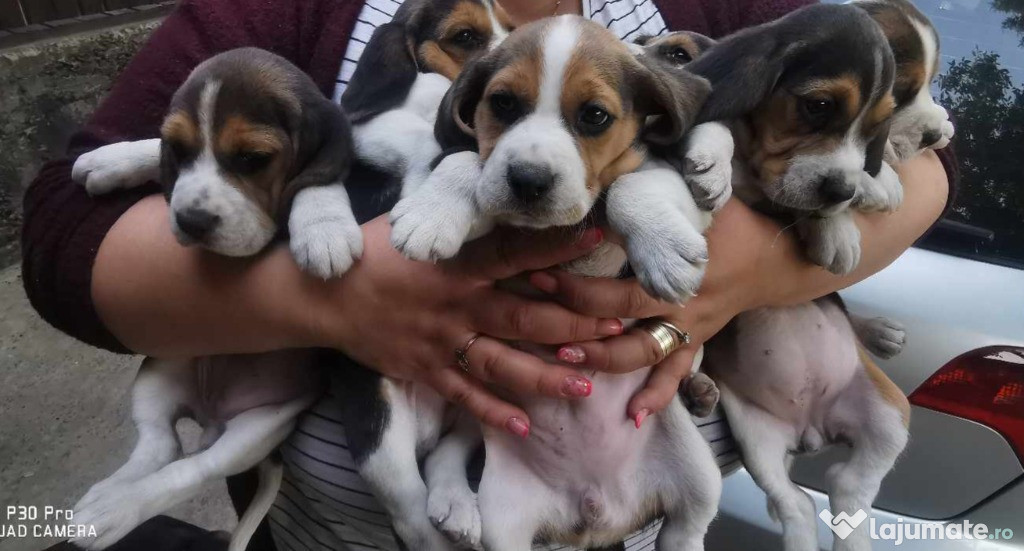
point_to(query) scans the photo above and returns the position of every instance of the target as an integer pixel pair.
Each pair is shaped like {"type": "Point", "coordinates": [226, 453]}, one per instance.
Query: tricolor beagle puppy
{"type": "Point", "coordinates": [248, 136]}
{"type": "Point", "coordinates": [792, 379]}
{"type": "Point", "coordinates": [559, 115]}
{"type": "Point", "coordinates": [407, 66]}
{"type": "Point", "coordinates": [918, 122]}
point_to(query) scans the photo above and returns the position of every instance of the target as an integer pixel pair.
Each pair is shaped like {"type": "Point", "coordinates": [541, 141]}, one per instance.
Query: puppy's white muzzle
{"type": "Point", "coordinates": [535, 176]}
{"type": "Point", "coordinates": [207, 210]}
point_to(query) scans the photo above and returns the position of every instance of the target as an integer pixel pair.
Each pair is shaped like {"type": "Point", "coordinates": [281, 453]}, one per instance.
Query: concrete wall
{"type": "Point", "coordinates": [48, 89]}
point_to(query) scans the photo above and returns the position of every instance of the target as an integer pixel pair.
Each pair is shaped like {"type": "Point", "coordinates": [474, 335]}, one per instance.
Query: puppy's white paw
{"type": "Point", "coordinates": [426, 227]}
{"type": "Point", "coordinates": [112, 511]}
{"type": "Point", "coordinates": [420, 535]}
{"type": "Point", "coordinates": [883, 193]}
{"type": "Point", "coordinates": [707, 165]}
{"type": "Point", "coordinates": [324, 237]}
{"type": "Point", "coordinates": [669, 265]}
{"type": "Point", "coordinates": [453, 510]}
{"type": "Point", "coordinates": [433, 222]}
{"type": "Point", "coordinates": [832, 243]}
{"type": "Point", "coordinates": [121, 165]}
{"type": "Point", "coordinates": [945, 129]}
{"type": "Point", "coordinates": [700, 394]}
{"type": "Point", "coordinates": [882, 337]}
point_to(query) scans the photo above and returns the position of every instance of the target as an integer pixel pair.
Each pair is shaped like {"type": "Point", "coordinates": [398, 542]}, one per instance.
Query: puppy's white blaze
{"type": "Point", "coordinates": [498, 32]}
{"type": "Point", "coordinates": [931, 51]}
{"type": "Point", "coordinates": [559, 46]}
{"type": "Point", "coordinates": [207, 104]}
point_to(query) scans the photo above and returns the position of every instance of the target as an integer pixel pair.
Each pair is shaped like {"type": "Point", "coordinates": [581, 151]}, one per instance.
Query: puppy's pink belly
{"type": "Point", "coordinates": [229, 385]}
{"type": "Point", "coordinates": [793, 362]}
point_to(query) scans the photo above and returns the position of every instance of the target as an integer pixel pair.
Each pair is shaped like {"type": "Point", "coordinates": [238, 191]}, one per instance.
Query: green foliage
{"type": "Point", "coordinates": [1015, 20]}
{"type": "Point", "coordinates": [988, 111]}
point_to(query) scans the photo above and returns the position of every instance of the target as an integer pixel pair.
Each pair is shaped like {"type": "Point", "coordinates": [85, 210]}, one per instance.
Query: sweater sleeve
{"type": "Point", "coordinates": [64, 227]}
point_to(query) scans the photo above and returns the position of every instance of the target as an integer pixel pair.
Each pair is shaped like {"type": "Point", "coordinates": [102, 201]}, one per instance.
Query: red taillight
{"type": "Point", "coordinates": [984, 385]}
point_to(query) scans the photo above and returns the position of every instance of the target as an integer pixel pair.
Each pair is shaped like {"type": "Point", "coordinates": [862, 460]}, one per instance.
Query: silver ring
{"type": "Point", "coordinates": [461, 357]}
{"type": "Point", "coordinates": [668, 336]}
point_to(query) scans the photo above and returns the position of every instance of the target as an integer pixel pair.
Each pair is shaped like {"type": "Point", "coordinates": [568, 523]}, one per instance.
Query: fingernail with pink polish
{"type": "Point", "coordinates": [640, 416]}
{"type": "Point", "coordinates": [610, 327]}
{"type": "Point", "coordinates": [576, 386]}
{"type": "Point", "coordinates": [517, 427]}
{"type": "Point", "coordinates": [571, 355]}
{"type": "Point", "coordinates": [591, 238]}
{"type": "Point", "coordinates": [544, 281]}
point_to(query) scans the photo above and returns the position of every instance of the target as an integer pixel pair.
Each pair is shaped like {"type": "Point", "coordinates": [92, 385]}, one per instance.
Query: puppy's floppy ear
{"type": "Point", "coordinates": [322, 137]}
{"type": "Point", "coordinates": [743, 71]}
{"type": "Point", "coordinates": [454, 126]}
{"type": "Point", "coordinates": [876, 150]}
{"type": "Point", "coordinates": [384, 75]}
{"type": "Point", "coordinates": [671, 99]}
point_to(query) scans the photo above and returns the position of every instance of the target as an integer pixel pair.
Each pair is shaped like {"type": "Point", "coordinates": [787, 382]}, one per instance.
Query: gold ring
{"type": "Point", "coordinates": [461, 357]}
{"type": "Point", "coordinates": [668, 336]}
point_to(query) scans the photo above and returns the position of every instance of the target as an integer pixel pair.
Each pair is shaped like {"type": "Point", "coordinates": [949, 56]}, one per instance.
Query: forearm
{"type": "Point", "coordinates": [781, 275]}
{"type": "Point", "coordinates": [162, 299]}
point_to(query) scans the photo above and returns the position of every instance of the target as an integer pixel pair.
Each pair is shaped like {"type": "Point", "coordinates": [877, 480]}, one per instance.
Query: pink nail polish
{"type": "Point", "coordinates": [610, 327]}
{"type": "Point", "coordinates": [544, 281]}
{"type": "Point", "coordinates": [517, 427]}
{"type": "Point", "coordinates": [571, 355]}
{"type": "Point", "coordinates": [591, 238]}
{"type": "Point", "coordinates": [640, 416]}
{"type": "Point", "coordinates": [577, 386]}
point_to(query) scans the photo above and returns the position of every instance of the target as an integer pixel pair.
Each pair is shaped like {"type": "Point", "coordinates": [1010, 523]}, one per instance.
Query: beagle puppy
{"type": "Point", "coordinates": [556, 117]}
{"type": "Point", "coordinates": [809, 101]}
{"type": "Point", "coordinates": [918, 122]}
{"type": "Point", "coordinates": [407, 67]}
{"type": "Point", "coordinates": [793, 379]}
{"type": "Point", "coordinates": [248, 142]}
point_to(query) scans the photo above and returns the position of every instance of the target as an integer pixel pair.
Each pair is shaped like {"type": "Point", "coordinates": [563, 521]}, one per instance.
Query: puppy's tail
{"type": "Point", "coordinates": [271, 471]}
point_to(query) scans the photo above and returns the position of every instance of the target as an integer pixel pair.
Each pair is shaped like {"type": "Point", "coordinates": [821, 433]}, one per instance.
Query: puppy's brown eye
{"type": "Point", "coordinates": [506, 107]}
{"type": "Point", "coordinates": [593, 119]}
{"type": "Point", "coordinates": [467, 38]}
{"type": "Point", "coordinates": [249, 162]}
{"type": "Point", "coordinates": [817, 110]}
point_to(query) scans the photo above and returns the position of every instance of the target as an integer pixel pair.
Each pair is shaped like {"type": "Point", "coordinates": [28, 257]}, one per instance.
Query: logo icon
{"type": "Point", "coordinates": [843, 524]}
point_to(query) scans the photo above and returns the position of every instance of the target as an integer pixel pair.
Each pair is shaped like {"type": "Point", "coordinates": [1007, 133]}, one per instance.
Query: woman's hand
{"type": "Point", "coordinates": [406, 319]}
{"type": "Point", "coordinates": [754, 263]}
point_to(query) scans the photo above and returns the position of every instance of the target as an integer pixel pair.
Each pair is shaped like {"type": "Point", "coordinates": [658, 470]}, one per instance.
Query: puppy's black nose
{"type": "Point", "coordinates": [930, 137]}
{"type": "Point", "coordinates": [836, 188]}
{"type": "Point", "coordinates": [196, 223]}
{"type": "Point", "coordinates": [530, 183]}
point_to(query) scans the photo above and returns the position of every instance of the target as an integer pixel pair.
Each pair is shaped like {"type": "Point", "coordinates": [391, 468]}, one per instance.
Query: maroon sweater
{"type": "Point", "coordinates": [64, 226]}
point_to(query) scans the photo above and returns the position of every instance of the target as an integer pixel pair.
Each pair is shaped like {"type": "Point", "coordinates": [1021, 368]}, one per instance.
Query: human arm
{"type": "Point", "coordinates": [64, 226]}
{"type": "Point", "coordinates": [754, 263]}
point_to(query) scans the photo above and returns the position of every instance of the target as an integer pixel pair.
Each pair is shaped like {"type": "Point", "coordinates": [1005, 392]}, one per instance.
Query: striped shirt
{"type": "Point", "coordinates": [323, 503]}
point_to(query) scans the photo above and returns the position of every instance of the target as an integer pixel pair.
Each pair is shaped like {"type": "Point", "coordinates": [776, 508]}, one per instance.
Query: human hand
{"type": "Point", "coordinates": [406, 319]}
{"type": "Point", "coordinates": [731, 285]}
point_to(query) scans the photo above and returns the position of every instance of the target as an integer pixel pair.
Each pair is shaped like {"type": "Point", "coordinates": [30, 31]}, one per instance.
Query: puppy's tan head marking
{"type": "Point", "coordinates": [246, 132]}
{"type": "Point", "coordinates": [434, 36]}
{"type": "Point", "coordinates": [558, 112]}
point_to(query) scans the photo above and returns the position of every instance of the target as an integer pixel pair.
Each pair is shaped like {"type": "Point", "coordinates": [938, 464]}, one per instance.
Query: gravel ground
{"type": "Point", "coordinates": [64, 419]}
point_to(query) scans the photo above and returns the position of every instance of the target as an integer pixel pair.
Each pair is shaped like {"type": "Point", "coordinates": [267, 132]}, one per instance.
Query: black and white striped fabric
{"type": "Point", "coordinates": [323, 503]}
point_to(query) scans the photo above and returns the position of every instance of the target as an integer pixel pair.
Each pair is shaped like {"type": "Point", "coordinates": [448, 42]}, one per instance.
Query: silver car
{"type": "Point", "coordinates": [960, 295]}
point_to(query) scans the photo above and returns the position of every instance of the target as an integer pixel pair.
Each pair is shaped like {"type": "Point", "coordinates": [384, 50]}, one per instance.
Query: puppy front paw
{"type": "Point", "coordinates": [832, 242]}
{"type": "Point", "coordinates": [707, 165]}
{"type": "Point", "coordinates": [433, 221]}
{"type": "Point", "coordinates": [324, 237]}
{"type": "Point", "coordinates": [121, 165]}
{"type": "Point", "coordinates": [700, 394]}
{"type": "Point", "coordinates": [669, 266]}
{"type": "Point", "coordinates": [945, 127]}
{"type": "Point", "coordinates": [454, 511]}
{"type": "Point", "coordinates": [424, 227]}
{"type": "Point", "coordinates": [882, 193]}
